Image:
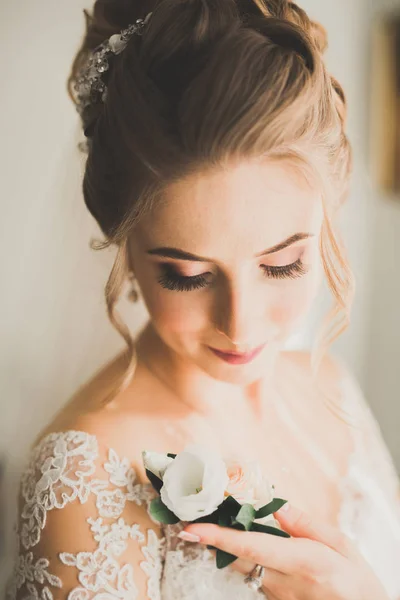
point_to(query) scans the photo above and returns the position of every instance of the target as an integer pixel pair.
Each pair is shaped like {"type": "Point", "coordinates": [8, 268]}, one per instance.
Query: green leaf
{"type": "Point", "coordinates": [212, 518]}
{"type": "Point", "coordinates": [238, 526]}
{"type": "Point", "coordinates": [224, 559]}
{"type": "Point", "coordinates": [228, 509]}
{"type": "Point", "coordinates": [161, 513]}
{"type": "Point", "coordinates": [224, 520]}
{"type": "Point", "coordinates": [155, 481]}
{"type": "Point", "coordinates": [230, 506]}
{"type": "Point", "coordinates": [246, 516]}
{"type": "Point", "coordinates": [270, 508]}
{"type": "Point", "coordinates": [269, 529]}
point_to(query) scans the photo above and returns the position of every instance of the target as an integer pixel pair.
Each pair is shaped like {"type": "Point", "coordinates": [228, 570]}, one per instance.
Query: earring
{"type": "Point", "coordinates": [133, 294]}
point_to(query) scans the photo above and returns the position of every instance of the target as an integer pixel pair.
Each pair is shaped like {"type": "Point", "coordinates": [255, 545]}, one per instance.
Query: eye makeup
{"type": "Point", "coordinates": [174, 281]}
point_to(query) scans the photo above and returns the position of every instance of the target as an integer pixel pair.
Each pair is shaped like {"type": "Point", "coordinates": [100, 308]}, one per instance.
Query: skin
{"type": "Point", "coordinates": [230, 216]}
{"type": "Point", "coordinates": [316, 562]}
{"type": "Point", "coordinates": [223, 217]}
{"type": "Point", "coordinates": [229, 222]}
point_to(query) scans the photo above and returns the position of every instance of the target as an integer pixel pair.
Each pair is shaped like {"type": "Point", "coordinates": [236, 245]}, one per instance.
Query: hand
{"type": "Point", "coordinates": [317, 562]}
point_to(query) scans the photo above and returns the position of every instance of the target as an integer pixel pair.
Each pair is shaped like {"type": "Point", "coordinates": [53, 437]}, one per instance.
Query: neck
{"type": "Point", "coordinates": [192, 386]}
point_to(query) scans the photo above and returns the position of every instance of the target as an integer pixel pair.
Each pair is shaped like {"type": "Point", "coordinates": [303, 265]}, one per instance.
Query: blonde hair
{"type": "Point", "coordinates": [206, 85]}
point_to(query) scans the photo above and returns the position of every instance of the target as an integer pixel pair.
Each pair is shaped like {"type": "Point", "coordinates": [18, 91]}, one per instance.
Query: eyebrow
{"type": "Point", "coordinates": [183, 255]}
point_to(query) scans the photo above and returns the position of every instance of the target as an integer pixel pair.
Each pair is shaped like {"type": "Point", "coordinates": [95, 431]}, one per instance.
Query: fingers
{"type": "Point", "coordinates": [301, 525]}
{"type": "Point", "coordinates": [273, 581]}
{"type": "Point", "coordinates": [286, 555]}
{"type": "Point", "coordinates": [309, 549]}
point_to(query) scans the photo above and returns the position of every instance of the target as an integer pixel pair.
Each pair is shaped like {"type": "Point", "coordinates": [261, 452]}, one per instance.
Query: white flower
{"type": "Point", "coordinates": [248, 484]}
{"type": "Point", "coordinates": [194, 483]}
{"type": "Point", "coordinates": [156, 462]}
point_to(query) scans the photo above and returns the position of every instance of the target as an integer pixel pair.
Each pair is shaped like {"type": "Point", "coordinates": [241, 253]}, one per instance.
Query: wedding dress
{"type": "Point", "coordinates": [90, 498]}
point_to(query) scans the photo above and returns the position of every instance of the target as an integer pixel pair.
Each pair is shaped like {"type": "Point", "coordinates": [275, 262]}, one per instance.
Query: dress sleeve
{"type": "Point", "coordinates": [370, 512]}
{"type": "Point", "coordinates": [369, 444]}
{"type": "Point", "coordinates": [84, 530]}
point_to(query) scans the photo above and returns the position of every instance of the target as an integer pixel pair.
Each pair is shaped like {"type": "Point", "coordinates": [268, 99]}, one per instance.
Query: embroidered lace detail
{"type": "Point", "coordinates": [60, 471]}
{"type": "Point", "coordinates": [370, 491]}
{"type": "Point", "coordinates": [190, 573]}
{"type": "Point", "coordinates": [63, 469]}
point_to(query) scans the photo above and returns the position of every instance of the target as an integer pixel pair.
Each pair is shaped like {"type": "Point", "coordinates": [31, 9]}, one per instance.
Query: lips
{"type": "Point", "coordinates": [237, 357]}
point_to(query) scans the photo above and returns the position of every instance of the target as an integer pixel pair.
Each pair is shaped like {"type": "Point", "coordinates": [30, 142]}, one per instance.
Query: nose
{"type": "Point", "coordinates": [238, 318]}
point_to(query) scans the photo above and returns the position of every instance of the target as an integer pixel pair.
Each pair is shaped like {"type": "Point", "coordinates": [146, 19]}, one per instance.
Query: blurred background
{"type": "Point", "coordinates": [54, 329]}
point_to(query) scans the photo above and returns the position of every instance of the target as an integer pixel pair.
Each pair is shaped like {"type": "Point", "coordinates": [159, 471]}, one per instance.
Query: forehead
{"type": "Point", "coordinates": [240, 209]}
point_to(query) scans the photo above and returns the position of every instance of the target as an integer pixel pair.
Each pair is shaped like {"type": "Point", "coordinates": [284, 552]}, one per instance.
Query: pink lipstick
{"type": "Point", "coordinates": [236, 358]}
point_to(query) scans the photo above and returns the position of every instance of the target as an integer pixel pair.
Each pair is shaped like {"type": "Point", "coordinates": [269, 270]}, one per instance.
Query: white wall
{"type": "Point", "coordinates": [371, 223]}
{"type": "Point", "coordinates": [382, 374]}
{"type": "Point", "coordinates": [346, 57]}
{"type": "Point", "coordinates": [54, 330]}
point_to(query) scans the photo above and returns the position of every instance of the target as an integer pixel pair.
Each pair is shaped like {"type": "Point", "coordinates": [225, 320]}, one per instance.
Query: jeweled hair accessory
{"type": "Point", "coordinates": [89, 86]}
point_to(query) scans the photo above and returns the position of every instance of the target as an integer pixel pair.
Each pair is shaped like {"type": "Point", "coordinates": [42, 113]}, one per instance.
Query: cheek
{"type": "Point", "coordinates": [296, 299]}
{"type": "Point", "coordinates": [175, 312]}
{"type": "Point", "coordinates": [295, 302]}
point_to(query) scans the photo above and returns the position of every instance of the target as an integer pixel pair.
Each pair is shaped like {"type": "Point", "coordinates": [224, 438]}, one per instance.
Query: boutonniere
{"type": "Point", "coordinates": [199, 486]}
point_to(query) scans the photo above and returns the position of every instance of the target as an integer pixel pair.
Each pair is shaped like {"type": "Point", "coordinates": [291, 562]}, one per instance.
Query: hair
{"type": "Point", "coordinates": [209, 83]}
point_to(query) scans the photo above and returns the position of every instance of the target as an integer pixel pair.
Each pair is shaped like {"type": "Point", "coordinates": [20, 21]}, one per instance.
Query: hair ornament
{"type": "Point", "coordinates": [89, 87]}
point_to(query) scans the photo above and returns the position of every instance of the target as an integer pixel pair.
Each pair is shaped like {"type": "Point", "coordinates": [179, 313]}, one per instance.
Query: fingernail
{"type": "Point", "coordinates": [188, 537]}
{"type": "Point", "coordinates": [284, 508]}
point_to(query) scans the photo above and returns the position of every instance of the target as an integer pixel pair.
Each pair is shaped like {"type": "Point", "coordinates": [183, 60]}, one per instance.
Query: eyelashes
{"type": "Point", "coordinates": [171, 280]}
{"type": "Point", "coordinates": [293, 271]}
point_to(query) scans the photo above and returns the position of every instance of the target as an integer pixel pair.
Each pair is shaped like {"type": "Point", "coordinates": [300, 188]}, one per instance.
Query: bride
{"type": "Point", "coordinates": [217, 165]}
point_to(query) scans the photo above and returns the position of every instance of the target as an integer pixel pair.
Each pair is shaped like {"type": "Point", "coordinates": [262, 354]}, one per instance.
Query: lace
{"type": "Point", "coordinates": [63, 469]}
{"type": "Point", "coordinates": [370, 492]}
{"type": "Point", "coordinates": [190, 573]}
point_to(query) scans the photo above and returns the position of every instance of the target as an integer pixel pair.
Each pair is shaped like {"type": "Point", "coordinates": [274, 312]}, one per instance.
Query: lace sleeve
{"type": "Point", "coordinates": [370, 448]}
{"type": "Point", "coordinates": [84, 530]}
{"type": "Point", "coordinates": [370, 512]}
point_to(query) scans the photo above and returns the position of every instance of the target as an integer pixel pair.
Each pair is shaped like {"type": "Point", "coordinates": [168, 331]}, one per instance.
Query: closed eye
{"type": "Point", "coordinates": [296, 269]}
{"type": "Point", "coordinates": [172, 280]}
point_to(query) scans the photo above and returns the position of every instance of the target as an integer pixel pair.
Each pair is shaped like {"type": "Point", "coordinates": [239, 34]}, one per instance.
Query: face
{"type": "Point", "coordinates": [211, 257]}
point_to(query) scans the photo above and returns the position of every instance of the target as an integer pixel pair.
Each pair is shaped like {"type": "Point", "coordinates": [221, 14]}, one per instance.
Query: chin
{"type": "Point", "coordinates": [260, 367]}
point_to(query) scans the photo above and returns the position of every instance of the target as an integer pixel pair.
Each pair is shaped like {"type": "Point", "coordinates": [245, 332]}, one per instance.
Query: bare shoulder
{"type": "Point", "coordinates": [125, 425]}
{"type": "Point", "coordinates": [88, 463]}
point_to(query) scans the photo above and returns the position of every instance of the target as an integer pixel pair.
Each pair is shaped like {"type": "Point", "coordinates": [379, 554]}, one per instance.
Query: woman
{"type": "Point", "coordinates": [217, 164]}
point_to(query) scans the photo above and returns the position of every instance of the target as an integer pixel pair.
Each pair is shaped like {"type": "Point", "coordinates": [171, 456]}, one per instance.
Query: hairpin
{"type": "Point", "coordinates": [89, 86]}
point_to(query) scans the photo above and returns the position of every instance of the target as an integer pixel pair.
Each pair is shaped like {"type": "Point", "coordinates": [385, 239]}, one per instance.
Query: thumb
{"type": "Point", "coordinates": [300, 524]}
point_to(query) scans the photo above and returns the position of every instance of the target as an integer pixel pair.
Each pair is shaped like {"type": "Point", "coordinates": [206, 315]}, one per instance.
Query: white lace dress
{"type": "Point", "coordinates": [101, 550]}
